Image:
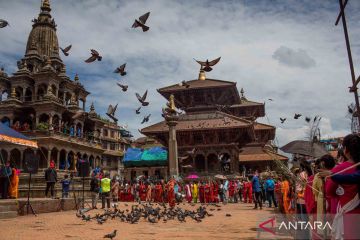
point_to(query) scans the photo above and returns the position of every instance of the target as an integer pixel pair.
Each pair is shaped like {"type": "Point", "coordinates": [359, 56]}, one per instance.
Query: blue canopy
{"type": "Point", "coordinates": [136, 157]}
{"type": "Point", "coordinates": [8, 134]}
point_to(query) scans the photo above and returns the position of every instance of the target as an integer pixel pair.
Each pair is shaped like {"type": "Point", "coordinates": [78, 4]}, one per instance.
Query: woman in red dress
{"type": "Point", "coordinates": [344, 226]}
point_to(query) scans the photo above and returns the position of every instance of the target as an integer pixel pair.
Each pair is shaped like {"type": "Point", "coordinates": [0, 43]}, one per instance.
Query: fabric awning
{"type": "Point", "coordinates": [9, 135]}
{"type": "Point", "coordinates": [136, 157]}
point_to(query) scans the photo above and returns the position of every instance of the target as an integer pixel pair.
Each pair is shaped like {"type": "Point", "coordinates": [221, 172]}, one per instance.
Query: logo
{"type": "Point", "coordinates": [266, 229]}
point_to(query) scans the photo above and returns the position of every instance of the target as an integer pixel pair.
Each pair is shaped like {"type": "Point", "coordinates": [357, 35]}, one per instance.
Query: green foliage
{"type": "Point", "coordinates": [42, 126]}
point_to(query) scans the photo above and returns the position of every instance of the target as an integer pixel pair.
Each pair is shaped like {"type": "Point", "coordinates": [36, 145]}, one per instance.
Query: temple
{"type": "Point", "coordinates": [219, 123]}
{"type": "Point", "coordinates": [41, 101]}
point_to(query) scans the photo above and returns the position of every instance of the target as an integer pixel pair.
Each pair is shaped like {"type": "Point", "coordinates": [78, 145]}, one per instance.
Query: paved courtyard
{"type": "Point", "coordinates": [241, 224]}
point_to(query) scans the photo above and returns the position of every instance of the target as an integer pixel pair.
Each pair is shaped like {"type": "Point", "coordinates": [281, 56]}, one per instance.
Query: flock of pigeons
{"type": "Point", "coordinates": [148, 212]}
{"type": "Point", "coordinates": [95, 56]}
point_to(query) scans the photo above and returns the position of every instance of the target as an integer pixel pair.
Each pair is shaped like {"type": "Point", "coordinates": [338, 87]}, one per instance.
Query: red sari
{"type": "Point", "coordinates": [344, 196]}
{"type": "Point", "coordinates": [201, 193]}
{"type": "Point", "coordinates": [171, 193]}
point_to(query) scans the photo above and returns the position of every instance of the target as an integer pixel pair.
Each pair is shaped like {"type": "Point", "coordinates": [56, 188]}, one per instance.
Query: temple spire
{"type": "Point", "coordinates": [45, 5]}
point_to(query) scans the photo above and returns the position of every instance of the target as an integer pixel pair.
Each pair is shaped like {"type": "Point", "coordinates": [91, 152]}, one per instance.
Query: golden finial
{"type": "Point", "coordinates": [76, 79]}
{"type": "Point", "coordinates": [172, 102]}
{"type": "Point", "coordinates": [202, 75]}
{"type": "Point", "coordinates": [13, 93]}
{"type": "Point", "coordinates": [45, 4]}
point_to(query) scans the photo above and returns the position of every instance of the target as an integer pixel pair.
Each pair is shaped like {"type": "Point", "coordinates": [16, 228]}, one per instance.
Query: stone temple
{"type": "Point", "coordinates": [40, 100]}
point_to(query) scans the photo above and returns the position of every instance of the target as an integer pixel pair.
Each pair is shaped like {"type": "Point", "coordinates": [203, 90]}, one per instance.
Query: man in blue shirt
{"type": "Point", "coordinates": [65, 186]}
{"type": "Point", "coordinates": [269, 189]}
{"type": "Point", "coordinates": [256, 190]}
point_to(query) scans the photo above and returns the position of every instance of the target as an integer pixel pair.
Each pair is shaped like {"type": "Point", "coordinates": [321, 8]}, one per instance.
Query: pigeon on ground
{"type": "Point", "coordinates": [94, 56]}
{"type": "Point", "coordinates": [4, 23]}
{"type": "Point", "coordinates": [206, 66]}
{"type": "Point", "coordinates": [184, 84]}
{"type": "Point", "coordinates": [141, 22]}
{"type": "Point", "coordinates": [111, 235]}
{"type": "Point", "coordinates": [66, 50]}
{"type": "Point", "coordinates": [228, 215]}
{"type": "Point", "coordinates": [121, 70]}
{"type": "Point", "coordinates": [142, 98]}
{"type": "Point", "coordinates": [124, 88]}
{"type": "Point", "coordinates": [146, 119]}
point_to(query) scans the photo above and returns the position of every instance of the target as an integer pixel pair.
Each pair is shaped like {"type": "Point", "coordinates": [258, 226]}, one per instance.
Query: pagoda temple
{"type": "Point", "coordinates": [217, 126]}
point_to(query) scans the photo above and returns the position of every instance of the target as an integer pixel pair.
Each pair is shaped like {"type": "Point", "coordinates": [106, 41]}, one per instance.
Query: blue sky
{"type": "Point", "coordinates": [289, 51]}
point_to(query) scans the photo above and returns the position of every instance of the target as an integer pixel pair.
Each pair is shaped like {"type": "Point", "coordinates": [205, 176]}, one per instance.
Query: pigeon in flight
{"type": "Point", "coordinates": [270, 99]}
{"type": "Point", "coordinates": [138, 110]}
{"type": "Point", "coordinates": [141, 22]}
{"type": "Point", "coordinates": [350, 110]}
{"type": "Point", "coordinates": [297, 115]}
{"type": "Point", "coordinates": [206, 66]}
{"type": "Point", "coordinates": [111, 112]}
{"type": "Point", "coordinates": [4, 23]}
{"type": "Point", "coordinates": [94, 56]}
{"type": "Point", "coordinates": [308, 119]}
{"type": "Point", "coordinates": [66, 50]}
{"type": "Point", "coordinates": [184, 84]}
{"type": "Point", "coordinates": [142, 98]}
{"type": "Point", "coordinates": [123, 87]}
{"type": "Point", "coordinates": [146, 119]}
{"type": "Point", "coordinates": [121, 70]}
{"type": "Point", "coordinates": [111, 235]}
{"type": "Point", "coordinates": [282, 120]}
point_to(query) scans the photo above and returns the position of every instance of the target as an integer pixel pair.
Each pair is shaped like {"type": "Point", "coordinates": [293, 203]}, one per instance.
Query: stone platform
{"type": "Point", "coordinates": [10, 208]}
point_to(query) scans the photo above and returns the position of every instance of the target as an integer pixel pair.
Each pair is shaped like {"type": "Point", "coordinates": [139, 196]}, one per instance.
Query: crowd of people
{"type": "Point", "coordinates": [325, 190]}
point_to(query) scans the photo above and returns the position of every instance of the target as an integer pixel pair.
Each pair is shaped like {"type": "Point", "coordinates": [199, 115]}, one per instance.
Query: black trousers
{"type": "Point", "coordinates": [5, 187]}
{"type": "Point", "coordinates": [271, 197]}
{"type": "Point", "coordinates": [49, 185]}
{"type": "Point", "coordinates": [106, 196]}
{"type": "Point", "coordinates": [257, 199]}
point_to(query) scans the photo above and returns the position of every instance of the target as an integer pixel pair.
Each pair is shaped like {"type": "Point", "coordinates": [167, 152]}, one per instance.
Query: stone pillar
{"type": "Point", "coordinates": [206, 165]}
{"type": "Point", "coordinates": [84, 103]}
{"type": "Point", "coordinates": [23, 97]}
{"type": "Point", "coordinates": [64, 98]}
{"type": "Point", "coordinates": [49, 157]}
{"type": "Point", "coordinates": [37, 120]}
{"type": "Point", "coordinates": [58, 160]}
{"type": "Point", "coordinates": [35, 93]}
{"type": "Point", "coordinates": [171, 121]}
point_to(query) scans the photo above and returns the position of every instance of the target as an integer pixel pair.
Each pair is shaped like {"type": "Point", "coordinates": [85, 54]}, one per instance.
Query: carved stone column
{"type": "Point", "coordinates": [58, 160]}
{"type": "Point", "coordinates": [172, 121]}
{"type": "Point", "coordinates": [49, 157]}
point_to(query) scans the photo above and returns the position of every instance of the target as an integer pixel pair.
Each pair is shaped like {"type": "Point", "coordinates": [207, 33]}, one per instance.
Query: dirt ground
{"type": "Point", "coordinates": [242, 224]}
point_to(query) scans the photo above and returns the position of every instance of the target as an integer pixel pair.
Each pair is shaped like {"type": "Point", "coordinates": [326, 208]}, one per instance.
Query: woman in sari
{"type": "Point", "coordinates": [344, 226]}
{"type": "Point", "coordinates": [285, 189]}
{"type": "Point", "coordinates": [188, 193]}
{"type": "Point", "coordinates": [14, 182]}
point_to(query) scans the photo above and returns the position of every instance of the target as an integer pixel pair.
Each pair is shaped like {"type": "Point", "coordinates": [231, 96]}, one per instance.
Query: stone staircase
{"type": "Point", "coordinates": [8, 209]}
{"type": "Point", "coordinates": [38, 185]}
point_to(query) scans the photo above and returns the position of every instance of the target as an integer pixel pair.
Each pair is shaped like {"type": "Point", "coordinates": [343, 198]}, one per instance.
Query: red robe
{"type": "Point", "coordinates": [142, 192]}
{"type": "Point", "coordinates": [201, 194]}
{"type": "Point", "coordinates": [207, 193]}
{"type": "Point", "coordinates": [171, 193]}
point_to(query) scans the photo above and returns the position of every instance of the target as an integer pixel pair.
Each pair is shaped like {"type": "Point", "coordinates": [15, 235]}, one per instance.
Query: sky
{"type": "Point", "coordinates": [286, 50]}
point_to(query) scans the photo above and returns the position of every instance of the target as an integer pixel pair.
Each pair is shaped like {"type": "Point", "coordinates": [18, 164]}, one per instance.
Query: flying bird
{"type": "Point", "coordinates": [121, 70]}
{"type": "Point", "coordinates": [270, 99]}
{"type": "Point", "coordinates": [138, 110]}
{"type": "Point", "coordinates": [206, 66]}
{"type": "Point", "coordinates": [184, 84]}
{"type": "Point", "coordinates": [4, 23]}
{"type": "Point", "coordinates": [282, 120]}
{"type": "Point", "coordinates": [350, 109]}
{"type": "Point", "coordinates": [123, 87]}
{"type": "Point", "coordinates": [141, 22]}
{"type": "Point", "coordinates": [142, 98]}
{"type": "Point", "coordinates": [66, 50]}
{"type": "Point", "coordinates": [94, 56]}
{"type": "Point", "coordinates": [297, 115]}
{"type": "Point", "coordinates": [111, 235]}
{"type": "Point", "coordinates": [111, 112]}
{"type": "Point", "coordinates": [308, 119]}
{"type": "Point", "coordinates": [146, 119]}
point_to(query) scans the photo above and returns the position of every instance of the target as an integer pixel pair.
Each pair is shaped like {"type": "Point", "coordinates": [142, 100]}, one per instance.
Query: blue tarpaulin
{"type": "Point", "coordinates": [136, 157]}
{"type": "Point", "coordinates": [10, 135]}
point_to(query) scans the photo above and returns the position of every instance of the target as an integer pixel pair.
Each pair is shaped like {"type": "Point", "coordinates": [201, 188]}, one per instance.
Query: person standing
{"type": "Point", "coordinates": [105, 190]}
{"type": "Point", "coordinates": [171, 193]}
{"type": "Point", "coordinates": [94, 189]}
{"type": "Point", "coordinates": [195, 192]}
{"type": "Point", "coordinates": [188, 192]}
{"type": "Point", "coordinates": [269, 188]}
{"type": "Point", "coordinates": [51, 179]}
{"type": "Point", "coordinates": [115, 189]}
{"type": "Point", "coordinates": [6, 173]}
{"type": "Point", "coordinates": [257, 190]}
{"type": "Point", "coordinates": [14, 182]}
{"type": "Point", "coordinates": [65, 186]}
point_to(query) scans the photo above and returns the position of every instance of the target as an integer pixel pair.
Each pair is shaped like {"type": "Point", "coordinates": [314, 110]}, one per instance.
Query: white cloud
{"type": "Point", "coordinates": [293, 58]}
{"type": "Point", "coordinates": [245, 34]}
